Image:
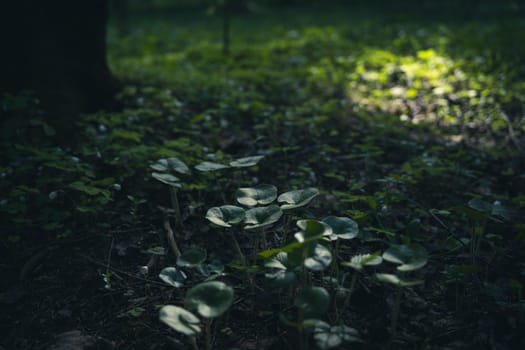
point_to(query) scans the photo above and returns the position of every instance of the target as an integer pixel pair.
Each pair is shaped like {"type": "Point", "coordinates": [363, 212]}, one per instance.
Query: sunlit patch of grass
{"type": "Point", "coordinates": [434, 73]}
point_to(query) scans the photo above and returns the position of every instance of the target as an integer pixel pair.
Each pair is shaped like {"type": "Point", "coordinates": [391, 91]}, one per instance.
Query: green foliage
{"type": "Point", "coordinates": [406, 137]}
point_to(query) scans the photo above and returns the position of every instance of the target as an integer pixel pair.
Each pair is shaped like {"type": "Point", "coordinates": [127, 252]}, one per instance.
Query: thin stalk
{"type": "Point", "coordinates": [194, 343]}
{"type": "Point", "coordinates": [395, 314]}
{"type": "Point", "coordinates": [208, 334]}
{"type": "Point", "coordinates": [226, 28]}
{"type": "Point", "coordinates": [300, 319]}
{"type": "Point", "coordinates": [334, 271]}
{"type": "Point", "coordinates": [238, 249]}
{"type": "Point", "coordinates": [351, 289]}
{"type": "Point", "coordinates": [176, 207]}
{"type": "Point", "coordinates": [171, 238]}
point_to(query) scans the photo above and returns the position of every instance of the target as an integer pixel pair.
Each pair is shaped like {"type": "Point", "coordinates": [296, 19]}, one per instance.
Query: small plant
{"type": "Point", "coordinates": [209, 299]}
{"type": "Point", "coordinates": [409, 258]}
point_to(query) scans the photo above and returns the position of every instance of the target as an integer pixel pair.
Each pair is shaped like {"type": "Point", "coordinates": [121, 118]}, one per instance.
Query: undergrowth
{"type": "Point", "coordinates": [402, 142]}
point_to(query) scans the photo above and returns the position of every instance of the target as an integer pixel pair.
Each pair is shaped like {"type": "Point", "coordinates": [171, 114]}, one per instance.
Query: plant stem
{"type": "Point", "coordinates": [171, 238]}
{"type": "Point", "coordinates": [350, 290]}
{"type": "Point", "coordinates": [194, 343]}
{"type": "Point", "coordinates": [238, 249]}
{"type": "Point", "coordinates": [208, 334]}
{"type": "Point", "coordinates": [176, 207]}
{"type": "Point", "coordinates": [395, 314]}
{"type": "Point", "coordinates": [226, 28]}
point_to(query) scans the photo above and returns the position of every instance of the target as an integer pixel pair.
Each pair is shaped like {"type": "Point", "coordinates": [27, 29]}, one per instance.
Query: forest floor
{"type": "Point", "coordinates": [411, 129]}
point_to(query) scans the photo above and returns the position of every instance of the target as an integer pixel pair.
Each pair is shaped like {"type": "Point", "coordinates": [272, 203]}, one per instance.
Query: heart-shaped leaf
{"type": "Point", "coordinates": [296, 199]}
{"type": "Point", "coordinates": [262, 216]}
{"type": "Point", "coordinates": [396, 280]}
{"type": "Point", "coordinates": [168, 179]}
{"type": "Point", "coordinates": [280, 261]}
{"type": "Point", "coordinates": [173, 277]}
{"type": "Point", "coordinates": [342, 227]}
{"type": "Point", "coordinates": [329, 337]}
{"type": "Point", "coordinates": [246, 161]}
{"type": "Point", "coordinates": [180, 320]}
{"type": "Point", "coordinates": [410, 257]}
{"type": "Point", "coordinates": [210, 299]}
{"type": "Point", "coordinates": [313, 300]}
{"type": "Point", "coordinates": [210, 166]}
{"type": "Point", "coordinates": [226, 215]}
{"type": "Point", "coordinates": [359, 261]}
{"type": "Point", "coordinates": [170, 164]}
{"type": "Point", "coordinates": [192, 257]}
{"type": "Point", "coordinates": [312, 229]}
{"type": "Point", "coordinates": [320, 259]}
{"type": "Point", "coordinates": [258, 195]}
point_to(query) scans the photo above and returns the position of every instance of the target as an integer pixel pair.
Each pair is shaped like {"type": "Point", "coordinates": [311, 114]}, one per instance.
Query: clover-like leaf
{"type": "Point", "coordinates": [396, 280]}
{"type": "Point", "coordinates": [313, 300]}
{"type": "Point", "coordinates": [210, 166]}
{"type": "Point", "coordinates": [262, 216]}
{"type": "Point", "coordinates": [329, 337]}
{"type": "Point", "coordinates": [410, 257]}
{"type": "Point", "coordinates": [170, 164]}
{"type": "Point", "coordinates": [258, 195]}
{"type": "Point", "coordinates": [296, 199]}
{"type": "Point", "coordinates": [320, 259]}
{"type": "Point", "coordinates": [246, 161]}
{"type": "Point", "coordinates": [156, 251]}
{"type": "Point", "coordinates": [342, 227]}
{"type": "Point", "coordinates": [480, 205]}
{"type": "Point", "coordinates": [226, 215]}
{"type": "Point", "coordinates": [212, 270]}
{"type": "Point", "coordinates": [279, 261]}
{"type": "Point", "coordinates": [210, 299]}
{"type": "Point", "coordinates": [180, 320]}
{"type": "Point", "coordinates": [280, 278]}
{"type": "Point", "coordinates": [168, 179]}
{"type": "Point", "coordinates": [192, 257]}
{"type": "Point", "coordinates": [173, 277]}
{"type": "Point", "coordinates": [359, 261]}
{"type": "Point", "coordinates": [312, 229]}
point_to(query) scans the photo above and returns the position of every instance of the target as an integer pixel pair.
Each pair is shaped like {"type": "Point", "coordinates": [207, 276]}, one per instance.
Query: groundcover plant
{"type": "Point", "coordinates": [277, 175]}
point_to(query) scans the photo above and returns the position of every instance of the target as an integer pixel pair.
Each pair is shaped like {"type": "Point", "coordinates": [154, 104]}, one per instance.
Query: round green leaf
{"type": "Point", "coordinates": [296, 199]}
{"type": "Point", "coordinates": [210, 166]}
{"type": "Point", "coordinates": [410, 257]}
{"type": "Point", "coordinates": [173, 277]}
{"type": "Point", "coordinates": [263, 216]}
{"type": "Point", "coordinates": [180, 320]}
{"type": "Point", "coordinates": [329, 337]}
{"type": "Point", "coordinates": [480, 205]}
{"type": "Point", "coordinates": [161, 251]}
{"type": "Point", "coordinates": [226, 215]}
{"type": "Point", "coordinates": [252, 196]}
{"type": "Point", "coordinates": [313, 300]}
{"type": "Point", "coordinates": [169, 164]}
{"type": "Point", "coordinates": [342, 227]}
{"type": "Point", "coordinates": [192, 257]}
{"type": "Point", "coordinates": [213, 269]}
{"type": "Point", "coordinates": [168, 179]}
{"type": "Point", "coordinates": [359, 261]}
{"type": "Point", "coordinates": [210, 299]}
{"type": "Point", "coordinates": [396, 280]}
{"type": "Point", "coordinates": [279, 279]}
{"type": "Point", "coordinates": [246, 161]}
{"type": "Point", "coordinates": [279, 261]}
{"type": "Point", "coordinates": [320, 259]}
{"type": "Point", "coordinates": [312, 229]}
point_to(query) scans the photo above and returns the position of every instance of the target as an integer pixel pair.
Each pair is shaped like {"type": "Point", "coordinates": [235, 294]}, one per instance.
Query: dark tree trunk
{"type": "Point", "coordinates": [57, 48]}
